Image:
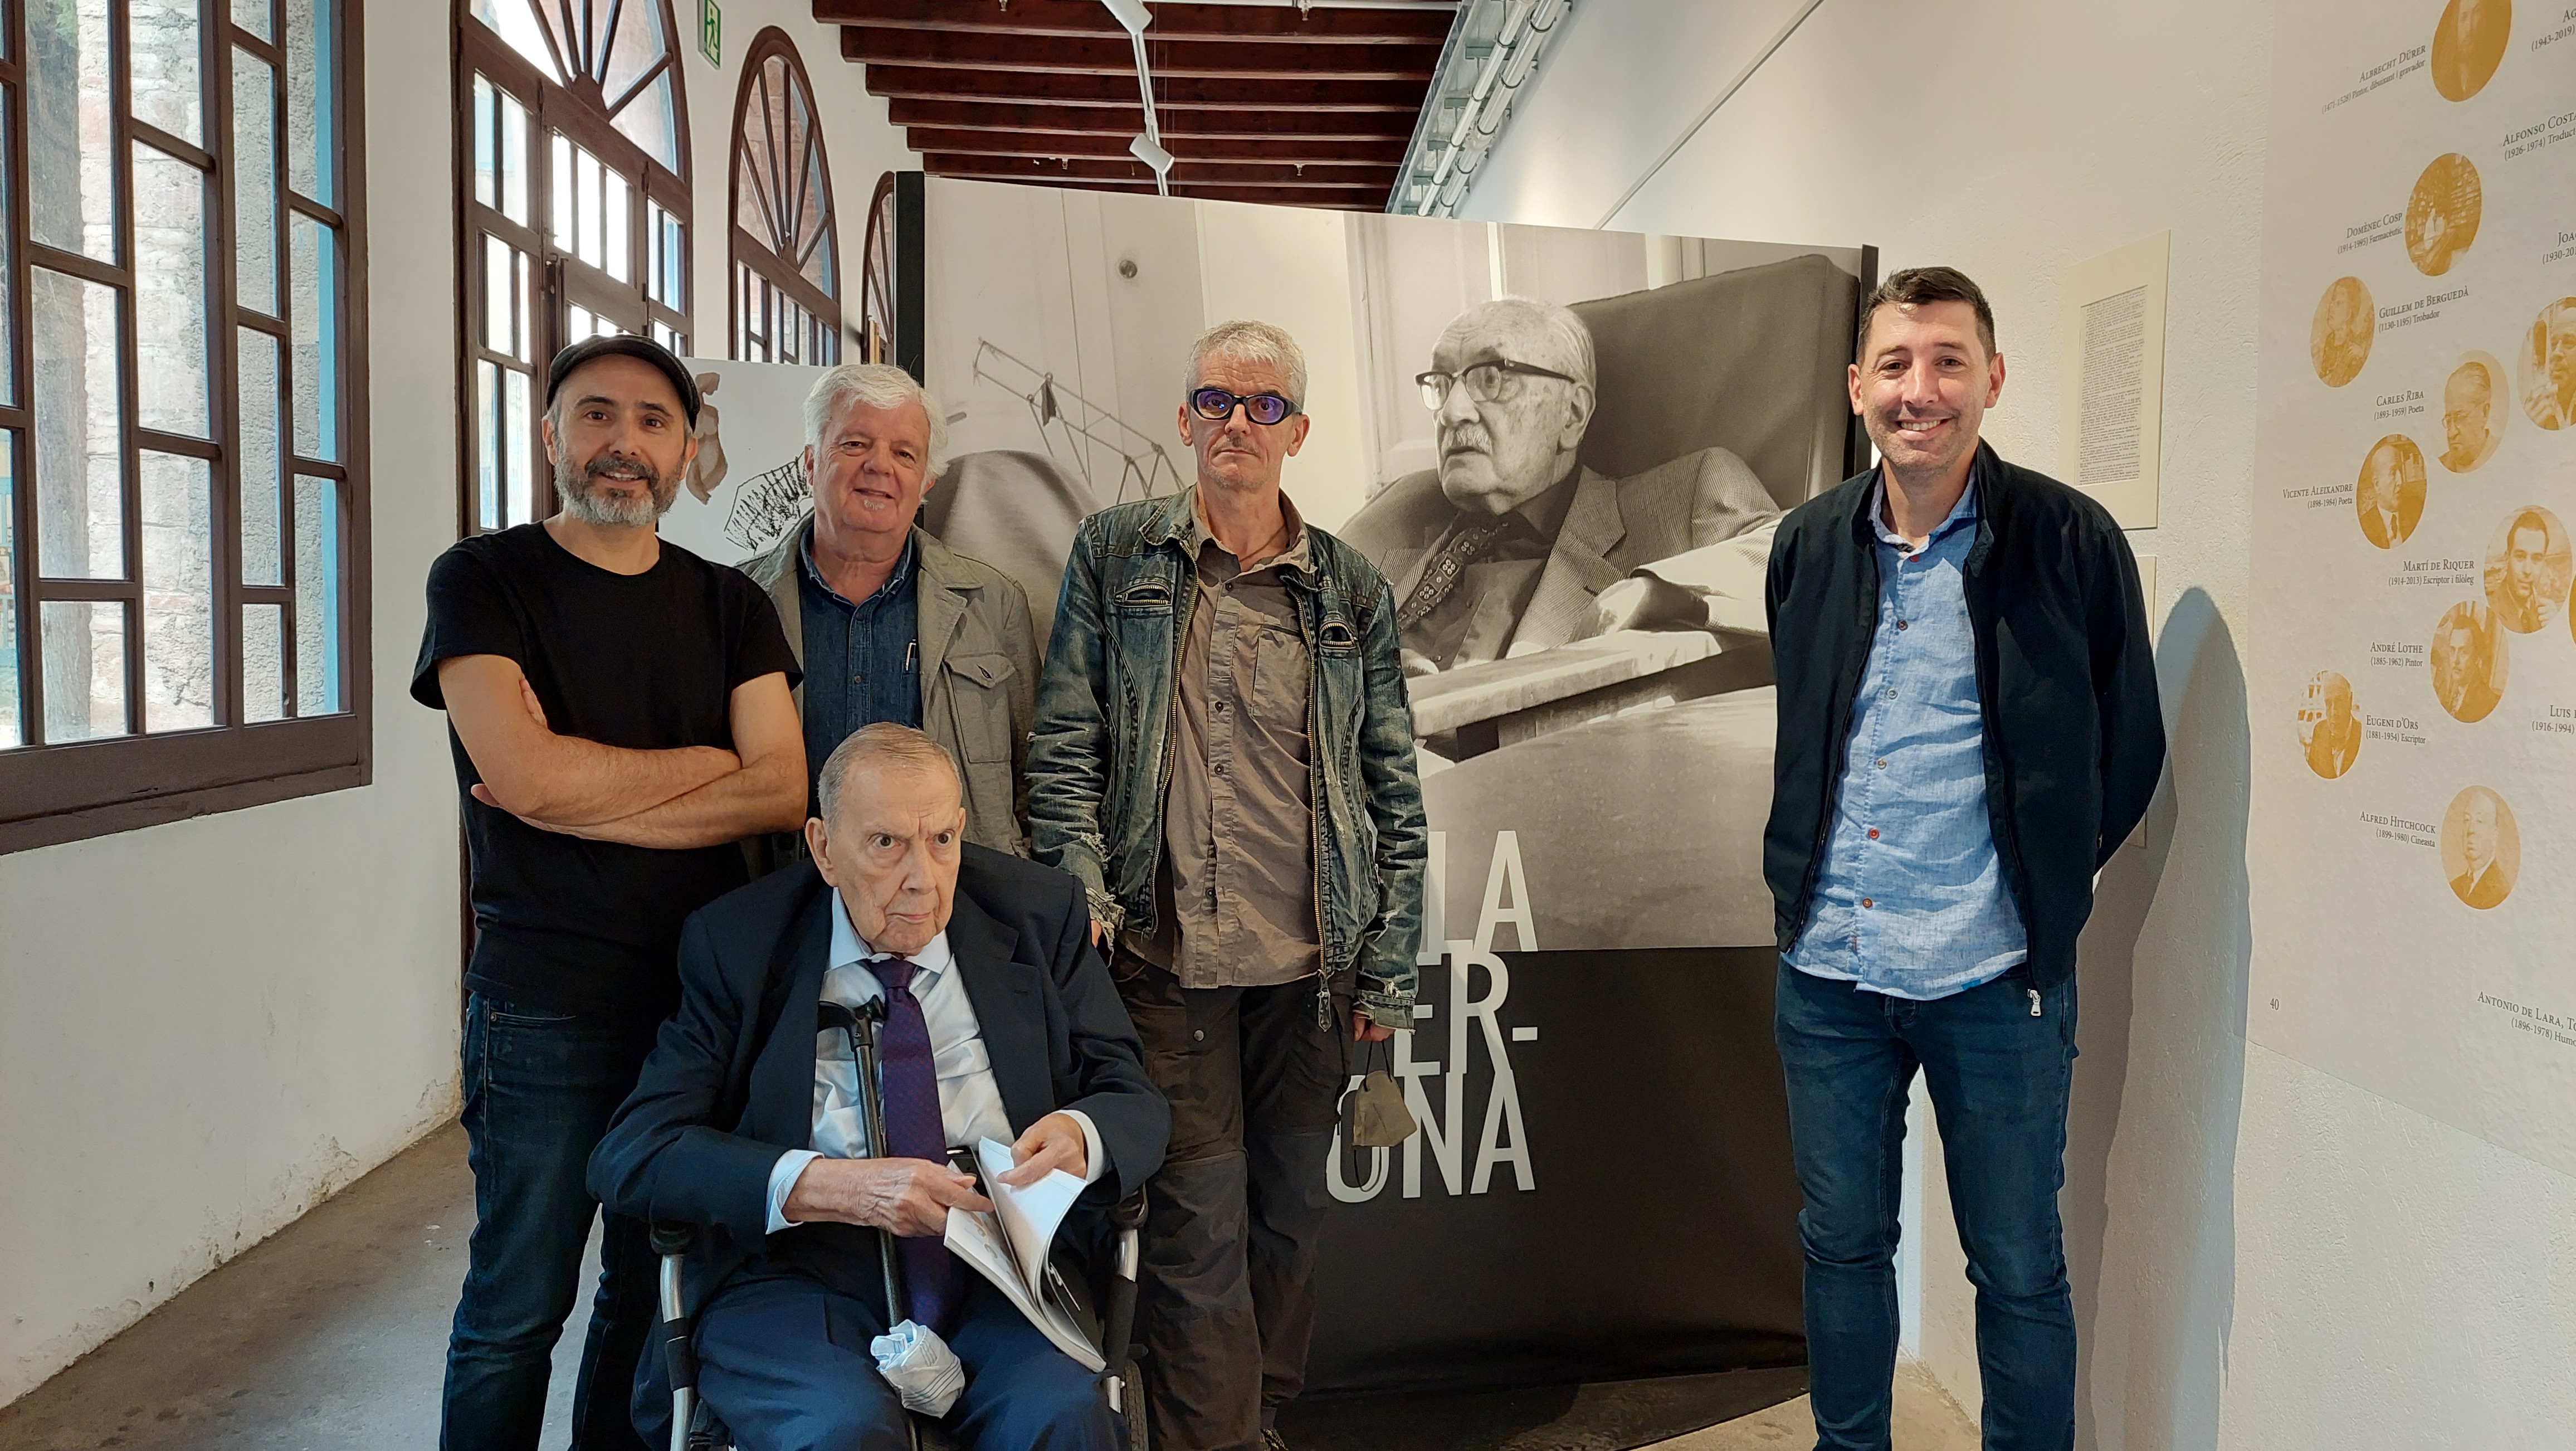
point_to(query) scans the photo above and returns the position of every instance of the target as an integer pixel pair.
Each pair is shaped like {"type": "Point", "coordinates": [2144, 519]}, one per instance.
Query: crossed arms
{"type": "Point", "coordinates": [692, 796]}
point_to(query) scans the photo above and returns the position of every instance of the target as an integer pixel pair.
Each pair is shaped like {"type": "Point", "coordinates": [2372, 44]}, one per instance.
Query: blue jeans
{"type": "Point", "coordinates": [539, 1090]}
{"type": "Point", "coordinates": [1998, 1077]}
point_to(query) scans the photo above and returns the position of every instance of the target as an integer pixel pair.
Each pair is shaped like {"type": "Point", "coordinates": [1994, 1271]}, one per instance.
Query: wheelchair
{"type": "Point", "coordinates": [695, 1426]}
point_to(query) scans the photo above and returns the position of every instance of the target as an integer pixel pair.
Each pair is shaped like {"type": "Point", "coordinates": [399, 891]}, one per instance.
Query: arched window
{"type": "Point", "coordinates": [573, 179]}
{"type": "Point", "coordinates": [183, 507]}
{"type": "Point", "coordinates": [786, 291]}
{"type": "Point", "coordinates": [876, 276]}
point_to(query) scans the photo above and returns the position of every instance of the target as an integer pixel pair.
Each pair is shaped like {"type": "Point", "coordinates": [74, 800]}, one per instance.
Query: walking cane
{"type": "Point", "coordinates": [860, 1028]}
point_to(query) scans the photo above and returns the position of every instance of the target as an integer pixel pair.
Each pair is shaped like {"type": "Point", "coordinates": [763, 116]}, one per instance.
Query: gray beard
{"type": "Point", "coordinates": [607, 513]}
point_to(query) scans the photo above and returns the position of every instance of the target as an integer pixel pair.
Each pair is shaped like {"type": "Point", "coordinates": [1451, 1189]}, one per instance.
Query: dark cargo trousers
{"type": "Point", "coordinates": [1236, 1215]}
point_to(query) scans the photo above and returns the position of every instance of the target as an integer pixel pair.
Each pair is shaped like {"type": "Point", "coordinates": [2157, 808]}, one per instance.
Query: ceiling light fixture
{"type": "Point", "coordinates": [1133, 17]}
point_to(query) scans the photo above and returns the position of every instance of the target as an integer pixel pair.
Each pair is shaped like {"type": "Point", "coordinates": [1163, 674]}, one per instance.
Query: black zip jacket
{"type": "Point", "coordinates": [2065, 679]}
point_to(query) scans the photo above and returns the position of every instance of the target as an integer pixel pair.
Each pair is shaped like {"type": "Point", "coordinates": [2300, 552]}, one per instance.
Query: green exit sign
{"type": "Point", "coordinates": [711, 32]}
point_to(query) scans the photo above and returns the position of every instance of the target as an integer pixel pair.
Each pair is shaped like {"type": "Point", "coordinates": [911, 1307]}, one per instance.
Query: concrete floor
{"type": "Point", "coordinates": [330, 1337]}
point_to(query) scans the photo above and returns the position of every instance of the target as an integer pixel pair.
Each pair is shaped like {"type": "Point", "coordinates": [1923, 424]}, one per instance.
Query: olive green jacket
{"type": "Point", "coordinates": [979, 670]}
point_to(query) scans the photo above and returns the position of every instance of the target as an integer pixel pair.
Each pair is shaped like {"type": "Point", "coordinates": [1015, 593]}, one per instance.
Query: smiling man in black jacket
{"type": "Point", "coordinates": [1968, 730]}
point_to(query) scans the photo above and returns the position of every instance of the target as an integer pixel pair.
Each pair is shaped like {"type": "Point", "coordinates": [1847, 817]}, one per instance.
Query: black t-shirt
{"type": "Point", "coordinates": [645, 662]}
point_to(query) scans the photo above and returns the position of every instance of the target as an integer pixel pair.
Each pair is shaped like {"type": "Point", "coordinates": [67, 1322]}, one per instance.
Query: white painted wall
{"type": "Point", "coordinates": [207, 1028]}
{"type": "Point", "coordinates": [2264, 1256]}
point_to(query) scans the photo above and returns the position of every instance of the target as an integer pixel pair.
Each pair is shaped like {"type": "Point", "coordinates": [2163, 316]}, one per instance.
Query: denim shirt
{"type": "Point", "coordinates": [1101, 755]}
{"type": "Point", "coordinates": [862, 661]}
{"type": "Point", "coordinates": [1912, 900]}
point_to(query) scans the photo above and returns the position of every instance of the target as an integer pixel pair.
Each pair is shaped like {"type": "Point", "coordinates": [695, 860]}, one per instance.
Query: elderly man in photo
{"type": "Point", "coordinates": [620, 715]}
{"type": "Point", "coordinates": [1968, 729]}
{"type": "Point", "coordinates": [1224, 756]}
{"type": "Point", "coordinates": [2468, 417]}
{"type": "Point", "coordinates": [2483, 881]}
{"type": "Point", "coordinates": [2549, 367]}
{"type": "Point", "coordinates": [999, 1023]}
{"type": "Point", "coordinates": [1507, 546]}
{"type": "Point", "coordinates": [2389, 507]}
{"type": "Point", "coordinates": [889, 623]}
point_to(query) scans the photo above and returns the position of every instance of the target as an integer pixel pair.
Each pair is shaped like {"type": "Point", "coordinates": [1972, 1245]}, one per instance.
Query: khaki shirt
{"type": "Point", "coordinates": [1237, 881]}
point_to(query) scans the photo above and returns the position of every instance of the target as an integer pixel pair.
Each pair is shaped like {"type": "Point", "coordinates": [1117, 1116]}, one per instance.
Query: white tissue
{"type": "Point", "coordinates": [920, 1367]}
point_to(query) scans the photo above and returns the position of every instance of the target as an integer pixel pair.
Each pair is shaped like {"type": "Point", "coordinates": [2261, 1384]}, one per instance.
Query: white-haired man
{"type": "Point", "coordinates": [1509, 545]}
{"type": "Point", "coordinates": [1224, 756]}
{"type": "Point", "coordinates": [889, 623]}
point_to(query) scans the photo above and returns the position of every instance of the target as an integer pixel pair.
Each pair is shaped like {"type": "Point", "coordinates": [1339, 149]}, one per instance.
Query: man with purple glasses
{"type": "Point", "coordinates": [1224, 756]}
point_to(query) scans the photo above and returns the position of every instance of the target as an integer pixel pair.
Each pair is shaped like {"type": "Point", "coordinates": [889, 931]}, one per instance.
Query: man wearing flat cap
{"type": "Point", "coordinates": [620, 716]}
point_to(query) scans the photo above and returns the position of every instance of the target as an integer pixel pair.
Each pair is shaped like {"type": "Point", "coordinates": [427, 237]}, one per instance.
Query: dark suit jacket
{"type": "Point", "coordinates": [1612, 527]}
{"type": "Point", "coordinates": [2487, 891]}
{"type": "Point", "coordinates": [2331, 752]}
{"type": "Point", "coordinates": [719, 1100]}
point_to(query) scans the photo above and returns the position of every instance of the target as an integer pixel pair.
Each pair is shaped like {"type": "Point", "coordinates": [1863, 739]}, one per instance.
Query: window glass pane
{"type": "Point", "coordinates": [519, 445]}
{"type": "Point", "coordinates": [260, 524]}
{"type": "Point", "coordinates": [562, 178]}
{"type": "Point", "coordinates": [71, 192]}
{"type": "Point", "coordinates": [9, 694]}
{"type": "Point", "coordinates": [616, 212]}
{"type": "Point", "coordinates": [263, 662]}
{"type": "Point", "coordinates": [310, 138]}
{"type": "Point", "coordinates": [255, 183]}
{"type": "Point", "coordinates": [82, 644]}
{"type": "Point", "coordinates": [161, 36]}
{"type": "Point", "coordinates": [317, 596]}
{"type": "Point", "coordinates": [170, 377]}
{"type": "Point", "coordinates": [487, 143]}
{"type": "Point", "coordinates": [636, 46]}
{"type": "Point", "coordinates": [8, 272]}
{"type": "Point", "coordinates": [527, 309]}
{"type": "Point", "coordinates": [586, 206]}
{"type": "Point", "coordinates": [646, 121]}
{"type": "Point", "coordinates": [514, 159]}
{"type": "Point", "coordinates": [487, 423]}
{"type": "Point", "coordinates": [316, 270]}
{"type": "Point", "coordinates": [514, 23]}
{"type": "Point", "coordinates": [253, 16]}
{"type": "Point", "coordinates": [80, 474]}
{"type": "Point", "coordinates": [498, 290]}
{"type": "Point", "coordinates": [178, 593]}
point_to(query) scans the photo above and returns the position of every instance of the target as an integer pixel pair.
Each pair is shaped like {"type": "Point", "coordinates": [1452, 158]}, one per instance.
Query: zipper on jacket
{"type": "Point", "coordinates": [1841, 753]}
{"type": "Point", "coordinates": [1999, 814]}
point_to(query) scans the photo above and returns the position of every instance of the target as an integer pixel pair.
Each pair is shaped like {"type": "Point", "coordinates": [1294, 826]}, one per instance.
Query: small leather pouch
{"type": "Point", "coordinates": [1373, 1114]}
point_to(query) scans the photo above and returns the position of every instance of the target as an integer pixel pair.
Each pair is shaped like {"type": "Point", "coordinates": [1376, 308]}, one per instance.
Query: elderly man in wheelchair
{"type": "Point", "coordinates": [803, 1197]}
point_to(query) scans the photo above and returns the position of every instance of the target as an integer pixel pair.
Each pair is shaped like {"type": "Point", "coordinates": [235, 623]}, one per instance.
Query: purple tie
{"type": "Point", "coordinates": [910, 1084]}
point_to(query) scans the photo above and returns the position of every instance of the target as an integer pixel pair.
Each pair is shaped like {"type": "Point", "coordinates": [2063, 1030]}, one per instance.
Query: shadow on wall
{"type": "Point", "coordinates": [2151, 1129]}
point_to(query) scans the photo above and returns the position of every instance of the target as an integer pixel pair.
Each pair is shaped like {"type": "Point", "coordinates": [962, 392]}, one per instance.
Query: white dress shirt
{"type": "Point", "coordinates": [970, 1102]}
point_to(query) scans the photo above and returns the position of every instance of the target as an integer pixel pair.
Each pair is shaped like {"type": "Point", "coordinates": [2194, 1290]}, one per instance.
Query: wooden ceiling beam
{"type": "Point", "coordinates": [929, 83]}
{"type": "Point", "coordinates": [1125, 122]}
{"type": "Point", "coordinates": [1185, 173]}
{"type": "Point", "coordinates": [1088, 18]}
{"type": "Point", "coordinates": [1354, 200]}
{"type": "Point", "coordinates": [1293, 151]}
{"type": "Point", "coordinates": [1167, 59]}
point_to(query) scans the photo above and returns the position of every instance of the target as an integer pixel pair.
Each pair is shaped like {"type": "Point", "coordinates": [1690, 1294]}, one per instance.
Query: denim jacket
{"type": "Point", "coordinates": [1100, 761]}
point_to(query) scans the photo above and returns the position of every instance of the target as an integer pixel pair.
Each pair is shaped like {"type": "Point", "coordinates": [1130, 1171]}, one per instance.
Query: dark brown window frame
{"type": "Point", "coordinates": [51, 794]}
{"type": "Point", "coordinates": [579, 112]}
{"type": "Point", "coordinates": [753, 251]}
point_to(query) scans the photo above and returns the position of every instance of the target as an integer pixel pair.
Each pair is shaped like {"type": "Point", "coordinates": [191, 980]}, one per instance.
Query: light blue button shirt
{"type": "Point", "coordinates": [1911, 901]}
{"type": "Point", "coordinates": [970, 1101]}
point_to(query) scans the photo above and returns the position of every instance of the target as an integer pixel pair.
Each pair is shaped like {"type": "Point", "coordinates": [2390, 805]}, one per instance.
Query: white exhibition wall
{"type": "Point", "coordinates": [207, 1028]}
{"type": "Point", "coordinates": [2264, 1255]}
